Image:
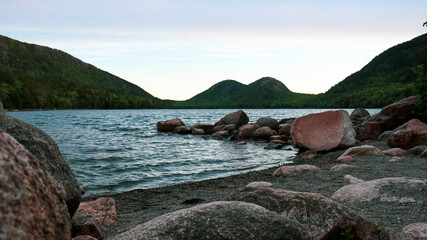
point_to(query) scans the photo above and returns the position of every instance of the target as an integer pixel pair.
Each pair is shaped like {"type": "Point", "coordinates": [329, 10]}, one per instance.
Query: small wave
{"type": "Point", "coordinates": [128, 129]}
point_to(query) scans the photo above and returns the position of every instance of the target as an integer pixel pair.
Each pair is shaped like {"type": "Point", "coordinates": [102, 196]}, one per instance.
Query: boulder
{"type": "Point", "coordinates": [207, 127]}
{"type": "Point", "coordinates": [102, 211]}
{"type": "Point", "coordinates": [417, 150]}
{"type": "Point", "coordinates": [32, 202]}
{"type": "Point", "coordinates": [220, 134]}
{"type": "Point", "coordinates": [295, 168]}
{"type": "Point", "coordinates": [238, 118]}
{"type": "Point", "coordinates": [259, 184]}
{"type": "Point", "coordinates": [247, 131]}
{"type": "Point", "coordinates": [268, 122]}
{"type": "Point", "coordinates": [285, 129]}
{"type": "Point", "coordinates": [365, 150]}
{"type": "Point", "coordinates": [263, 133]}
{"type": "Point", "coordinates": [323, 131]}
{"type": "Point", "coordinates": [414, 231]}
{"type": "Point", "coordinates": [394, 152]}
{"type": "Point", "coordinates": [322, 217]}
{"type": "Point", "coordinates": [410, 134]}
{"type": "Point", "coordinates": [384, 136]}
{"type": "Point", "coordinates": [348, 179]}
{"type": "Point", "coordinates": [169, 125]}
{"type": "Point", "coordinates": [44, 148]}
{"type": "Point", "coordinates": [218, 128]}
{"type": "Point", "coordinates": [182, 130]}
{"type": "Point", "coordinates": [342, 168]}
{"type": "Point", "coordinates": [88, 228]}
{"type": "Point", "coordinates": [230, 127]}
{"type": "Point", "coordinates": [287, 120]}
{"type": "Point", "coordinates": [388, 118]}
{"type": "Point", "coordinates": [197, 131]}
{"type": "Point", "coordinates": [218, 220]}
{"type": "Point", "coordinates": [358, 114]}
{"type": "Point", "coordinates": [398, 189]}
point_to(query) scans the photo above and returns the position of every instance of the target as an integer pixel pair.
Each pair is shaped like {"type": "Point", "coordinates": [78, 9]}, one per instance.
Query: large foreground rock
{"type": "Point", "coordinates": [388, 118]}
{"type": "Point", "coordinates": [169, 125]}
{"type": "Point", "coordinates": [238, 118]}
{"type": "Point", "coordinates": [397, 189]}
{"type": "Point", "coordinates": [44, 148]}
{"type": "Point", "coordinates": [218, 220]}
{"type": "Point", "coordinates": [322, 217]}
{"type": "Point", "coordinates": [323, 131]}
{"type": "Point", "coordinates": [410, 134]}
{"type": "Point", "coordinates": [32, 204]}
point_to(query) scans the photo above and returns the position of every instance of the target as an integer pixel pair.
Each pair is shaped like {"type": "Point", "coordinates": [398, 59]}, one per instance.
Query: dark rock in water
{"type": "Point", "coordinates": [287, 120]}
{"type": "Point", "coordinates": [220, 135]}
{"type": "Point", "coordinates": [230, 127]}
{"type": "Point", "coordinates": [197, 131]}
{"type": "Point", "coordinates": [268, 122]}
{"type": "Point", "coordinates": [247, 131]}
{"type": "Point", "coordinates": [238, 118]}
{"type": "Point", "coordinates": [273, 146]}
{"type": "Point", "coordinates": [169, 125]}
{"type": "Point", "coordinates": [219, 220]}
{"type": "Point", "coordinates": [410, 134]}
{"type": "Point", "coordinates": [388, 118]}
{"type": "Point", "coordinates": [417, 150]}
{"type": "Point", "coordinates": [32, 204]}
{"type": "Point", "coordinates": [233, 135]}
{"type": "Point", "coordinates": [285, 129]}
{"type": "Point", "coordinates": [321, 217]}
{"type": "Point", "coordinates": [263, 133]}
{"type": "Point", "coordinates": [207, 127]}
{"type": "Point", "coordinates": [219, 128]}
{"type": "Point", "coordinates": [182, 130]}
{"type": "Point", "coordinates": [44, 148]}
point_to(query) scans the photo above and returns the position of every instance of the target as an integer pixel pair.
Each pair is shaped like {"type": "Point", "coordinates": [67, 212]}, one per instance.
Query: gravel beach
{"type": "Point", "coordinates": [138, 206]}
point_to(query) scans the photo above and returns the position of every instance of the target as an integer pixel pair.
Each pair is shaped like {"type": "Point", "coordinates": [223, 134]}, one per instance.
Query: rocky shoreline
{"type": "Point", "coordinates": [357, 177]}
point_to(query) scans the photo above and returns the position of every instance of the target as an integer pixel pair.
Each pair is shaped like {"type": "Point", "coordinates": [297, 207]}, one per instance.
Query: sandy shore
{"type": "Point", "coordinates": [139, 206]}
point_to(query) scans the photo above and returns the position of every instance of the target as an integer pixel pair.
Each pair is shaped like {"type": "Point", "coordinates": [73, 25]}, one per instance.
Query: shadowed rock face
{"type": "Point", "coordinates": [219, 220]}
{"type": "Point", "coordinates": [238, 118]}
{"type": "Point", "coordinates": [32, 204]}
{"type": "Point", "coordinates": [44, 148]}
{"type": "Point", "coordinates": [410, 134]}
{"type": "Point", "coordinates": [321, 217]}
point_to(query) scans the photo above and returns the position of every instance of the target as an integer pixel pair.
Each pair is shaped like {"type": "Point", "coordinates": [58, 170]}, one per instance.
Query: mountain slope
{"type": "Point", "coordinates": [33, 76]}
{"type": "Point", "coordinates": [266, 92]}
{"type": "Point", "coordinates": [389, 77]}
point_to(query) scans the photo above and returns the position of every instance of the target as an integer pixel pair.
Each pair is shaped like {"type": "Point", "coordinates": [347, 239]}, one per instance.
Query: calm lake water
{"type": "Point", "coordinates": [112, 151]}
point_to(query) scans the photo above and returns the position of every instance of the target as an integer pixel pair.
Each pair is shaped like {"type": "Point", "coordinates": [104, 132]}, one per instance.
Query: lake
{"type": "Point", "coordinates": [112, 151]}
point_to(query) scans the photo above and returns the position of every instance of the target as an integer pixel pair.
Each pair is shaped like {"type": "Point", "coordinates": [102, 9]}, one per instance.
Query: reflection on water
{"type": "Point", "coordinates": [113, 151]}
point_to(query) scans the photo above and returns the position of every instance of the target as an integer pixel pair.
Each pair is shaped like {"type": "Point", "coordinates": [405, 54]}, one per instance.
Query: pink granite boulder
{"type": "Point", "coordinates": [247, 131]}
{"type": "Point", "coordinates": [293, 169]}
{"type": "Point", "coordinates": [323, 131]}
{"type": "Point", "coordinates": [169, 125]}
{"type": "Point", "coordinates": [410, 134]}
{"type": "Point", "coordinates": [263, 133]}
{"type": "Point", "coordinates": [285, 129]}
{"type": "Point", "coordinates": [32, 202]}
{"type": "Point", "coordinates": [365, 150]}
{"type": "Point", "coordinates": [394, 152]}
{"type": "Point", "coordinates": [101, 210]}
{"type": "Point", "coordinates": [238, 118]}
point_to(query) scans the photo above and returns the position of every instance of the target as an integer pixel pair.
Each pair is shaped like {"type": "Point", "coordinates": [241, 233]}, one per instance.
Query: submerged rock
{"type": "Point", "coordinates": [32, 204]}
{"type": "Point", "coordinates": [323, 131]}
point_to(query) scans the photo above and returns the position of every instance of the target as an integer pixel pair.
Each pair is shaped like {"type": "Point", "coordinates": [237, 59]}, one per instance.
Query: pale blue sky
{"type": "Point", "coordinates": [176, 49]}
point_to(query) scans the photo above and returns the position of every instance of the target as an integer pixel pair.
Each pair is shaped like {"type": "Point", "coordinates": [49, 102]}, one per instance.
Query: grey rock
{"type": "Point", "coordinates": [182, 130]}
{"type": "Point", "coordinates": [44, 148]}
{"type": "Point", "coordinates": [417, 150]}
{"type": "Point", "coordinates": [220, 134]}
{"type": "Point", "coordinates": [32, 204]}
{"type": "Point", "coordinates": [219, 220]}
{"type": "Point", "coordinates": [268, 122]}
{"type": "Point", "coordinates": [348, 179]}
{"type": "Point", "coordinates": [259, 184]}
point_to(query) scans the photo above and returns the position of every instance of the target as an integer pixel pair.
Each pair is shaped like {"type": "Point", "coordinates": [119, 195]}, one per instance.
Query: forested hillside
{"type": "Point", "coordinates": [33, 77]}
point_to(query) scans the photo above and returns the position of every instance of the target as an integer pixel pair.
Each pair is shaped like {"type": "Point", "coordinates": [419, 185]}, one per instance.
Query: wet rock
{"type": "Point", "coordinates": [197, 131]}
{"type": "Point", "coordinates": [268, 122]}
{"type": "Point", "coordinates": [207, 127]}
{"type": "Point", "coordinates": [220, 135]}
{"type": "Point", "coordinates": [418, 150]}
{"type": "Point", "coordinates": [273, 146]}
{"type": "Point", "coordinates": [365, 150]}
{"type": "Point", "coordinates": [348, 179]}
{"type": "Point", "coordinates": [414, 231]}
{"type": "Point", "coordinates": [323, 131]}
{"type": "Point", "coordinates": [44, 148]}
{"type": "Point", "coordinates": [263, 133]}
{"type": "Point", "coordinates": [238, 118]}
{"type": "Point", "coordinates": [322, 217]}
{"type": "Point", "coordinates": [398, 189]}
{"type": "Point", "coordinates": [259, 184]}
{"type": "Point", "coordinates": [410, 134]}
{"type": "Point", "coordinates": [342, 168]}
{"type": "Point", "coordinates": [247, 131]}
{"type": "Point", "coordinates": [169, 125]}
{"type": "Point", "coordinates": [182, 130]}
{"type": "Point", "coordinates": [394, 152]}
{"type": "Point", "coordinates": [218, 220]}
{"type": "Point", "coordinates": [293, 169]}
{"type": "Point", "coordinates": [285, 129]}
{"type": "Point", "coordinates": [32, 204]}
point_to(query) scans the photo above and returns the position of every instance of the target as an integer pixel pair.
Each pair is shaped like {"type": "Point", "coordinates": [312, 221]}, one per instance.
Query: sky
{"type": "Point", "coordinates": [177, 49]}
